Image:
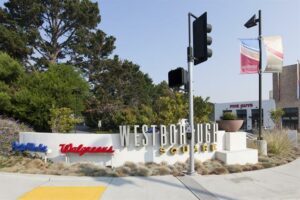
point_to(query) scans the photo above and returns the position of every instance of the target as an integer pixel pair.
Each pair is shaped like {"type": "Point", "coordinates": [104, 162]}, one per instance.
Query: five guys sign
{"type": "Point", "coordinates": [245, 105]}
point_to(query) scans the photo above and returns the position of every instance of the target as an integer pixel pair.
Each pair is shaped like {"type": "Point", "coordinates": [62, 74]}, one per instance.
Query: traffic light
{"type": "Point", "coordinates": [201, 40]}
{"type": "Point", "coordinates": [177, 77]}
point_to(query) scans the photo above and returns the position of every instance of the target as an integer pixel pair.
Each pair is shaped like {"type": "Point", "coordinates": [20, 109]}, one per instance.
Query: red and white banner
{"type": "Point", "coordinates": [249, 56]}
{"type": "Point", "coordinates": [274, 51]}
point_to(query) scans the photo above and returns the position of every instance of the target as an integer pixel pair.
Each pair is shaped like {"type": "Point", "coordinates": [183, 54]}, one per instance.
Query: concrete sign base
{"type": "Point", "coordinates": [86, 148]}
{"type": "Point", "coordinates": [236, 151]}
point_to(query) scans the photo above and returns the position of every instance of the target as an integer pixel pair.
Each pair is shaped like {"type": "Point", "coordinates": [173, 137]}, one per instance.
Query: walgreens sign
{"type": "Point", "coordinates": [81, 150]}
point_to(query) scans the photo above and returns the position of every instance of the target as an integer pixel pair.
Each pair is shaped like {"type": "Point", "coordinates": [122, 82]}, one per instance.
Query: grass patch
{"type": "Point", "coordinates": [21, 164]}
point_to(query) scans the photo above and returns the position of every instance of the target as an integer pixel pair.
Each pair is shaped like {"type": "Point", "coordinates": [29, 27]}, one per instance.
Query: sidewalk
{"type": "Point", "coordinates": [275, 183]}
{"type": "Point", "coordinates": [281, 182]}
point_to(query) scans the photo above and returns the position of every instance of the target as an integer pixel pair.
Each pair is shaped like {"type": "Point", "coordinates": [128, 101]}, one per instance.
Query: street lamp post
{"type": "Point", "coordinates": [260, 77]}
{"type": "Point", "coordinates": [262, 144]}
{"type": "Point", "coordinates": [250, 23]}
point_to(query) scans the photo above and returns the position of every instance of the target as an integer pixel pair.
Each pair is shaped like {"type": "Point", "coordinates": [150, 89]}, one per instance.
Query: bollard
{"type": "Point", "coordinates": [262, 147]}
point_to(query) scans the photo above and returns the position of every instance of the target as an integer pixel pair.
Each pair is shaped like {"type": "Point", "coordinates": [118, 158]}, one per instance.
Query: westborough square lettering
{"type": "Point", "coordinates": [166, 135]}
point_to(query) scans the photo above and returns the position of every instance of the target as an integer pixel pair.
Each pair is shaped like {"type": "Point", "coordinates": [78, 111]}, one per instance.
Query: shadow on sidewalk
{"type": "Point", "coordinates": [199, 191]}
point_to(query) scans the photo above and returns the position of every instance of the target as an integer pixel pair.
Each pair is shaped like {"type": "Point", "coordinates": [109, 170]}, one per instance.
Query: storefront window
{"type": "Point", "coordinates": [255, 118]}
{"type": "Point", "coordinates": [242, 114]}
{"type": "Point", "coordinates": [290, 118]}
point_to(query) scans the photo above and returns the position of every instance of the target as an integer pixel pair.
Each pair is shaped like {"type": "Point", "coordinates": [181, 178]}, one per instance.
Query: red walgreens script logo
{"type": "Point", "coordinates": [68, 148]}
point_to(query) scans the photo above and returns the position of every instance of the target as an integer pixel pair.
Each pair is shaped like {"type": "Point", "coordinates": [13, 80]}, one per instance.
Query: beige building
{"type": "Point", "coordinates": [287, 96]}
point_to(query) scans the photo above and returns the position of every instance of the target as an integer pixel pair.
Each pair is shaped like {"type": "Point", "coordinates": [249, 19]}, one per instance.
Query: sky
{"type": "Point", "coordinates": [154, 35]}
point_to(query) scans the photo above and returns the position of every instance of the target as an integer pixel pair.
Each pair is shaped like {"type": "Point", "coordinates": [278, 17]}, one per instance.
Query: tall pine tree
{"type": "Point", "coordinates": [40, 32]}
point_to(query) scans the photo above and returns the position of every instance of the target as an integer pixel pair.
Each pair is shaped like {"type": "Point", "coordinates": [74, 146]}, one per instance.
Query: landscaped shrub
{"type": "Point", "coordinates": [246, 167]}
{"type": "Point", "coordinates": [9, 130]}
{"type": "Point", "coordinates": [161, 170]}
{"type": "Point", "coordinates": [220, 170]}
{"type": "Point", "coordinates": [32, 165]}
{"type": "Point", "coordinates": [142, 171]}
{"type": "Point", "coordinates": [276, 116]}
{"type": "Point", "coordinates": [257, 166]}
{"type": "Point", "coordinates": [212, 165]}
{"type": "Point", "coordinates": [35, 163]}
{"type": "Point", "coordinates": [180, 166]}
{"type": "Point", "coordinates": [278, 142]}
{"type": "Point", "coordinates": [132, 166]}
{"type": "Point", "coordinates": [229, 116]}
{"type": "Point", "coordinates": [60, 86]}
{"type": "Point", "coordinates": [234, 168]}
{"type": "Point", "coordinates": [200, 168]}
{"type": "Point", "coordinates": [62, 120]}
{"type": "Point", "coordinates": [122, 171]}
{"type": "Point", "coordinates": [268, 165]}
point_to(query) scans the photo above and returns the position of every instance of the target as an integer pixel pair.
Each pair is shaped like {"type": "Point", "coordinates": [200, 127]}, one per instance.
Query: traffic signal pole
{"type": "Point", "coordinates": [190, 59]}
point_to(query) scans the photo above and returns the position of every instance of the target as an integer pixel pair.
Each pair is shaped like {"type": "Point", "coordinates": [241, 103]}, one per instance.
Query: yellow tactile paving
{"type": "Point", "coordinates": [64, 193]}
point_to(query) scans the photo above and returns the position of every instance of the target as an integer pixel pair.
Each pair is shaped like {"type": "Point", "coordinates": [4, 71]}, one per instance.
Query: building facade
{"type": "Point", "coordinates": [248, 111]}
{"type": "Point", "coordinates": [286, 95]}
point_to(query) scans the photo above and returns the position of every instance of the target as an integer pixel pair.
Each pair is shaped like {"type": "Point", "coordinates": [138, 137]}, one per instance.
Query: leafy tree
{"type": "Point", "coordinates": [39, 92]}
{"type": "Point", "coordinates": [134, 116]}
{"type": "Point", "coordinates": [116, 80]}
{"type": "Point", "coordinates": [126, 116]}
{"type": "Point", "coordinates": [119, 88]}
{"type": "Point", "coordinates": [202, 110]}
{"type": "Point", "coordinates": [5, 102]}
{"type": "Point", "coordinates": [62, 120]}
{"type": "Point", "coordinates": [42, 32]}
{"type": "Point", "coordinates": [13, 39]}
{"type": "Point", "coordinates": [146, 115]}
{"type": "Point", "coordinates": [170, 106]}
{"type": "Point", "coordinates": [10, 69]}
{"type": "Point", "coordinates": [161, 90]}
{"type": "Point", "coordinates": [10, 72]}
{"type": "Point", "coordinates": [276, 116]}
{"type": "Point", "coordinates": [169, 109]}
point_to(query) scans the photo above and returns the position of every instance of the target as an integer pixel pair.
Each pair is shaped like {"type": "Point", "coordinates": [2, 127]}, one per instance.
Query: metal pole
{"type": "Point", "coordinates": [260, 78]}
{"type": "Point", "coordinates": [191, 100]}
{"type": "Point", "coordinates": [76, 111]}
{"type": "Point", "coordinates": [76, 92]}
{"type": "Point", "coordinates": [298, 93]}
